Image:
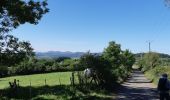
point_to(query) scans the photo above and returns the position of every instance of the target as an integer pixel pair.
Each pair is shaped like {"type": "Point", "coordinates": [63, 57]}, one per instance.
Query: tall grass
{"type": "Point", "coordinates": [155, 73]}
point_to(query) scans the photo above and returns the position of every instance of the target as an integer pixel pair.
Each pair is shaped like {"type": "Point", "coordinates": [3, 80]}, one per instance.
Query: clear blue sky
{"type": "Point", "coordinates": [82, 25]}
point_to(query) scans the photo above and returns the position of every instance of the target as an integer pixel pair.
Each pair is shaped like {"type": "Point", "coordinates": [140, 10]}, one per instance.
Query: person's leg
{"type": "Point", "coordinates": [161, 96]}
{"type": "Point", "coordinates": [167, 96]}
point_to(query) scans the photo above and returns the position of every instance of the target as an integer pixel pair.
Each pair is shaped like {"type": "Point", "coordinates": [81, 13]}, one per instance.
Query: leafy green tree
{"type": "Point", "coordinates": [15, 51]}
{"type": "Point", "coordinates": [59, 59]}
{"type": "Point", "coordinates": [121, 61]}
{"type": "Point", "coordinates": [3, 71]}
{"type": "Point", "coordinates": [101, 66]}
{"type": "Point", "coordinates": [112, 53]}
{"type": "Point", "coordinates": [128, 59]}
{"type": "Point", "coordinates": [87, 60]}
{"type": "Point", "coordinates": [16, 12]}
{"type": "Point", "coordinates": [150, 61]}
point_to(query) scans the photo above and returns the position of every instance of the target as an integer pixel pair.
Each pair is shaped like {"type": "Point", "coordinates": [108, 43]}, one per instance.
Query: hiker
{"type": "Point", "coordinates": [164, 87]}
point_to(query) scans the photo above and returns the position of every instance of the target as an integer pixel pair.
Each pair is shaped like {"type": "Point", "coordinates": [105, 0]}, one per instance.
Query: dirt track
{"type": "Point", "coordinates": [138, 87]}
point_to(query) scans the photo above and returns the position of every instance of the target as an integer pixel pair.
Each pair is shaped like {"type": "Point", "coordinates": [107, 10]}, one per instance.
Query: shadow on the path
{"type": "Point", "coordinates": [137, 88]}
{"type": "Point", "coordinates": [141, 82]}
{"type": "Point", "coordinates": [143, 93]}
{"type": "Point", "coordinates": [64, 92]}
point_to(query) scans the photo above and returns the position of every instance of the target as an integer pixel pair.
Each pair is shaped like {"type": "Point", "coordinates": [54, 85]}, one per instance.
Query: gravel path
{"type": "Point", "coordinates": [138, 87]}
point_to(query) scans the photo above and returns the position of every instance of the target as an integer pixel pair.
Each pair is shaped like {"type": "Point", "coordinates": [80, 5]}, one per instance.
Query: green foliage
{"type": "Point", "coordinates": [59, 59]}
{"type": "Point", "coordinates": [112, 66]}
{"type": "Point", "coordinates": [113, 54]}
{"type": "Point", "coordinates": [154, 66]}
{"type": "Point", "coordinates": [58, 92]}
{"type": "Point", "coordinates": [3, 71]}
{"type": "Point", "coordinates": [121, 61]}
{"type": "Point", "coordinates": [87, 60]}
{"type": "Point", "coordinates": [149, 61]}
{"type": "Point", "coordinates": [155, 73]}
{"type": "Point", "coordinates": [16, 12]}
{"type": "Point", "coordinates": [53, 90]}
{"type": "Point", "coordinates": [35, 66]}
{"type": "Point", "coordinates": [101, 66]}
{"type": "Point", "coordinates": [127, 60]}
{"type": "Point", "coordinates": [14, 51]}
{"type": "Point", "coordinates": [161, 55]}
{"type": "Point", "coordinates": [165, 61]}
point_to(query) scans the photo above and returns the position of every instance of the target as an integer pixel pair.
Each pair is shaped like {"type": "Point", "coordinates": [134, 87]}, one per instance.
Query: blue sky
{"type": "Point", "coordinates": [82, 25]}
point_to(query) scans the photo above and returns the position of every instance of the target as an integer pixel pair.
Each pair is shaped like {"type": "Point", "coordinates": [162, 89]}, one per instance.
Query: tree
{"type": "Point", "coordinates": [128, 59]}
{"type": "Point", "coordinates": [150, 61]}
{"type": "Point", "coordinates": [14, 51]}
{"type": "Point", "coordinates": [101, 68]}
{"type": "Point", "coordinates": [16, 12]}
{"type": "Point", "coordinates": [121, 61]}
{"type": "Point", "coordinates": [3, 71]}
{"type": "Point", "coordinates": [112, 53]}
{"type": "Point", "coordinates": [87, 60]}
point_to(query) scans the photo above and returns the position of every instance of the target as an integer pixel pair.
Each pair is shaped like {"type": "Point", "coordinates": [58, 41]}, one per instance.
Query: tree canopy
{"type": "Point", "coordinates": [113, 65]}
{"type": "Point", "coordinates": [16, 12]}
{"type": "Point", "coordinates": [149, 61]}
{"type": "Point", "coordinates": [13, 51]}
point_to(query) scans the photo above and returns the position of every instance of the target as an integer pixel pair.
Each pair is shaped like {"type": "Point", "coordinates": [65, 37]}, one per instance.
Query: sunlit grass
{"type": "Point", "coordinates": [57, 88]}
{"type": "Point", "coordinates": [38, 79]}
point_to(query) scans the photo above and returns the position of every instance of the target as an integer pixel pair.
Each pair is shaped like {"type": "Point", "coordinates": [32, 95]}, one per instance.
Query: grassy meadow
{"type": "Point", "coordinates": [57, 88]}
{"type": "Point", "coordinates": [52, 79]}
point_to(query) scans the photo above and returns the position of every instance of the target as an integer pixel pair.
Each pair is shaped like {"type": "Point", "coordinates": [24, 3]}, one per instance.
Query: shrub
{"type": "Point", "coordinates": [3, 71]}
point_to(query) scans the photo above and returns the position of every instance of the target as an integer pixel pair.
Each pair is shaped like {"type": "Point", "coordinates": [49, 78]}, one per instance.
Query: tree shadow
{"type": "Point", "coordinates": [59, 91]}
{"type": "Point", "coordinates": [143, 93]}
{"type": "Point", "coordinates": [137, 88]}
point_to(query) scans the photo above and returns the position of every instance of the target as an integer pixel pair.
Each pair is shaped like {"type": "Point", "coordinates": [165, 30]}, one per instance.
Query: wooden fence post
{"type": "Point", "coordinates": [45, 82]}
{"type": "Point", "coordinates": [59, 81]}
{"type": "Point", "coordinates": [30, 90]}
{"type": "Point", "coordinates": [73, 78]}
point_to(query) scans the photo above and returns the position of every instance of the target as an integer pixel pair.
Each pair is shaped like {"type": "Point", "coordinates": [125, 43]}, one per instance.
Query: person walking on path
{"type": "Point", "coordinates": [164, 87]}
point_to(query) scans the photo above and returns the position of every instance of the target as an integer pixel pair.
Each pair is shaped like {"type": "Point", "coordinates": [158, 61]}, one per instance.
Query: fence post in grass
{"type": "Point", "coordinates": [45, 82]}
{"type": "Point", "coordinates": [59, 81]}
{"type": "Point", "coordinates": [70, 80]}
{"type": "Point", "coordinates": [30, 90]}
{"type": "Point", "coordinates": [73, 78]}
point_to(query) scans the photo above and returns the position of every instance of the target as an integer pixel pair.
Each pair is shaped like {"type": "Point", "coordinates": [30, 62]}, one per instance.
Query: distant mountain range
{"type": "Point", "coordinates": [55, 54]}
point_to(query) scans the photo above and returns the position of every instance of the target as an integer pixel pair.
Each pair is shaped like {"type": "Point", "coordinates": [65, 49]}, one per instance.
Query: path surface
{"type": "Point", "coordinates": [138, 87]}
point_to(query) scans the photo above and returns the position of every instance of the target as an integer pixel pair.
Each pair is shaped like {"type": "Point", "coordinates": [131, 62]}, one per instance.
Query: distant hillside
{"type": "Point", "coordinates": [55, 54]}
{"type": "Point", "coordinates": [162, 55]}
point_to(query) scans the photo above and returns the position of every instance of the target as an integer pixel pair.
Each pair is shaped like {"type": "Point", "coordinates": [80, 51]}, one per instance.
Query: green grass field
{"type": "Point", "coordinates": [51, 91]}
{"type": "Point", "coordinates": [52, 79]}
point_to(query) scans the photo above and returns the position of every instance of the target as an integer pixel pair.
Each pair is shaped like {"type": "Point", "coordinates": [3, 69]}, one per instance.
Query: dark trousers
{"type": "Point", "coordinates": [164, 96]}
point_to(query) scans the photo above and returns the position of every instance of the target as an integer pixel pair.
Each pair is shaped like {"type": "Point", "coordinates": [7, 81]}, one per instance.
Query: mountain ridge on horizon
{"type": "Point", "coordinates": [55, 54]}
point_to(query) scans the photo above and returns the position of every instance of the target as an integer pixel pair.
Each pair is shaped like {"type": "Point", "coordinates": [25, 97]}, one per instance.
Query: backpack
{"type": "Point", "coordinates": [162, 85]}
